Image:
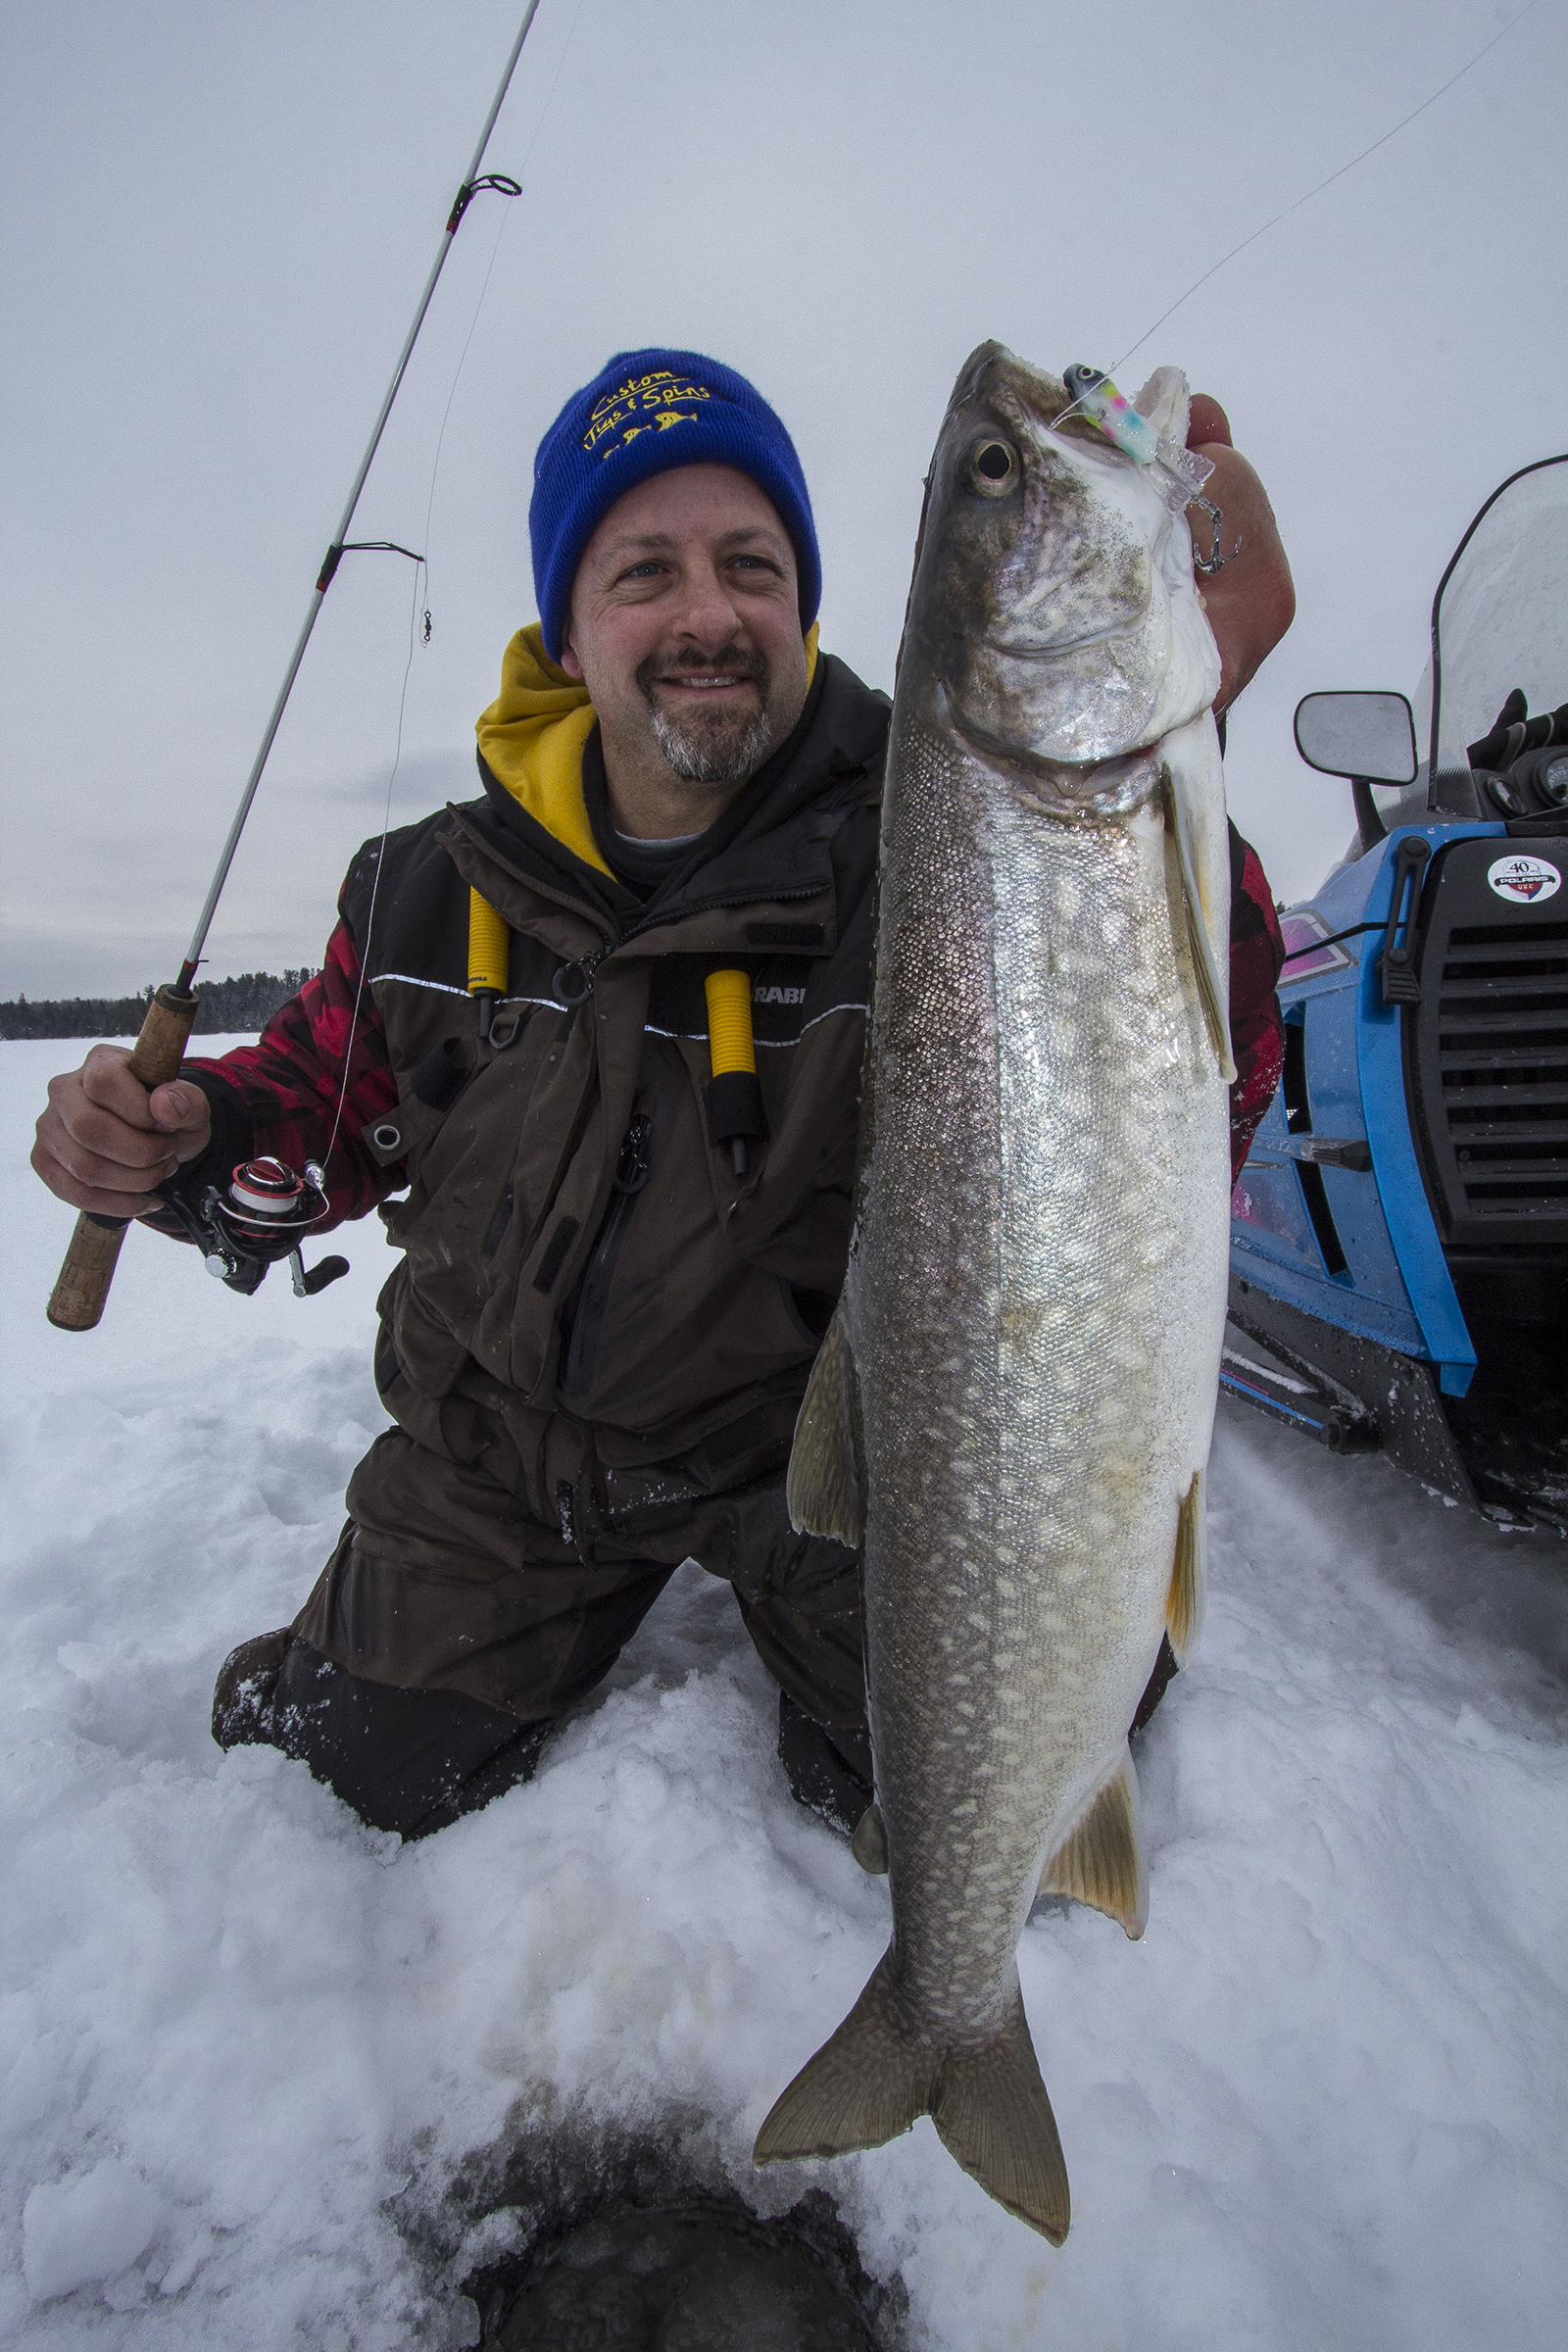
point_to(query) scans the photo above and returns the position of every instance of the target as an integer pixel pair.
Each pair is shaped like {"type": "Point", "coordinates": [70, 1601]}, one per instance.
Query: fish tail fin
{"type": "Point", "coordinates": [866, 2083]}
{"type": "Point", "coordinates": [870, 2082]}
{"type": "Point", "coordinates": [992, 2112]}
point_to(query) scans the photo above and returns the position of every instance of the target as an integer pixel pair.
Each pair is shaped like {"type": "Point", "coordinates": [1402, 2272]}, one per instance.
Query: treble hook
{"type": "Point", "coordinates": [1216, 559]}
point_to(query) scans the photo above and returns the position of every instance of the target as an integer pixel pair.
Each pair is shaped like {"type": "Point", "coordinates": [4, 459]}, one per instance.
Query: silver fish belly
{"type": "Point", "coordinates": [1014, 1407]}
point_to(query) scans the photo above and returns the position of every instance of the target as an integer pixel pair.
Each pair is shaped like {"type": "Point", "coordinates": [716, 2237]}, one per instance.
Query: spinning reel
{"type": "Point", "coordinates": [262, 1217]}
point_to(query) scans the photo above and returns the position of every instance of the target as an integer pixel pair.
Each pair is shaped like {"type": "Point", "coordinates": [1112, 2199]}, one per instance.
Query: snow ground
{"type": "Point", "coordinates": [1321, 2103]}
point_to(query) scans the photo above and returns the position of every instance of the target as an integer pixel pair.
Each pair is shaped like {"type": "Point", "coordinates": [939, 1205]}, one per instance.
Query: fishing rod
{"type": "Point", "coordinates": [76, 1302]}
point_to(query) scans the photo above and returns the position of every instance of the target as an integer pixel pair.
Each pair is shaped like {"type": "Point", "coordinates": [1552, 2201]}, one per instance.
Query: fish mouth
{"type": "Point", "coordinates": [1017, 649]}
{"type": "Point", "coordinates": [1089, 789]}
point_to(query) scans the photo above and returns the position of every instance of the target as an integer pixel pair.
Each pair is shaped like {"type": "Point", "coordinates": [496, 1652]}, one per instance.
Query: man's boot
{"type": "Point", "coordinates": [242, 1700]}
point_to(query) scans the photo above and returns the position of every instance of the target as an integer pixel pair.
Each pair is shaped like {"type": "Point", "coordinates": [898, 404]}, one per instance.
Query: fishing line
{"type": "Point", "coordinates": [386, 827]}
{"type": "Point", "coordinates": [495, 254]}
{"type": "Point", "coordinates": [424, 567]}
{"type": "Point", "coordinates": [403, 697]}
{"type": "Point", "coordinates": [1076, 407]}
{"type": "Point", "coordinates": [440, 439]}
{"type": "Point", "coordinates": [1297, 205]}
{"type": "Point", "coordinates": [423, 564]}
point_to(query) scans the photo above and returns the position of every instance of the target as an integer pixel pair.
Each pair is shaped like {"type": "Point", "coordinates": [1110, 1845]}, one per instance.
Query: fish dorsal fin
{"type": "Point", "coordinates": [1188, 1578]}
{"type": "Point", "coordinates": [1212, 992]}
{"type": "Point", "coordinates": [825, 1489]}
{"type": "Point", "coordinates": [1101, 1861]}
{"type": "Point", "coordinates": [869, 1844]}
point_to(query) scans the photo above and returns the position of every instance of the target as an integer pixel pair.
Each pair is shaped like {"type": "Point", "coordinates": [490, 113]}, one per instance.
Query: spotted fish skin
{"type": "Point", "coordinates": [1016, 1403]}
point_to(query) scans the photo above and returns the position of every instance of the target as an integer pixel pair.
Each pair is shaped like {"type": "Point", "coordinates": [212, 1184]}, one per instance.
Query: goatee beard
{"type": "Point", "coordinates": [708, 746]}
{"type": "Point", "coordinates": [728, 761]}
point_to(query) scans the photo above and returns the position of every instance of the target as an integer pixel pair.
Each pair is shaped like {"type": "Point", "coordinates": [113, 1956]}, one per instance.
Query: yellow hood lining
{"type": "Point", "coordinates": [532, 739]}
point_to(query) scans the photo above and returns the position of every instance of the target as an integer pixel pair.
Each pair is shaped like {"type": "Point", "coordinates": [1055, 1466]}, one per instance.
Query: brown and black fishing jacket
{"type": "Point", "coordinates": [567, 1226]}
{"type": "Point", "coordinates": [573, 1243]}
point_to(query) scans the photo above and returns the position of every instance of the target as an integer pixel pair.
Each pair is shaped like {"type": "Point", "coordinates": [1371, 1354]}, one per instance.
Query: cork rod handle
{"type": "Point", "coordinates": [76, 1302]}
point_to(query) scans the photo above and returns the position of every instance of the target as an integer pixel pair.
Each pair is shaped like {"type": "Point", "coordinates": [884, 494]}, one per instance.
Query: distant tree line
{"type": "Point", "coordinates": [229, 1008]}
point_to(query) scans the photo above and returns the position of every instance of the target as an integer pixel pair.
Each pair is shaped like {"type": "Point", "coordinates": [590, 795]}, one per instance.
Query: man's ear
{"type": "Point", "coordinates": [569, 656]}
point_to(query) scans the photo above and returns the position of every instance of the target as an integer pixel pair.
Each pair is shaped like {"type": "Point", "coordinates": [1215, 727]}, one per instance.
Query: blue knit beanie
{"type": "Point", "coordinates": [646, 413]}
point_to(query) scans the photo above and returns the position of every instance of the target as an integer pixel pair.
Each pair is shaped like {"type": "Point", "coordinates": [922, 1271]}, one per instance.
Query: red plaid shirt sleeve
{"type": "Point", "coordinates": [1257, 1036]}
{"type": "Point", "coordinates": [325, 1048]}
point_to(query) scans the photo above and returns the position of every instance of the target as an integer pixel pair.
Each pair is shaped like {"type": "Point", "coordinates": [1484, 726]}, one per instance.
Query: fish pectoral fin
{"type": "Point", "coordinates": [825, 1489]}
{"type": "Point", "coordinates": [870, 2082]}
{"type": "Point", "coordinates": [1101, 1861]}
{"type": "Point", "coordinates": [866, 2083]}
{"type": "Point", "coordinates": [869, 1844]}
{"type": "Point", "coordinates": [1212, 992]}
{"type": "Point", "coordinates": [993, 2113]}
{"type": "Point", "coordinates": [1189, 1577]}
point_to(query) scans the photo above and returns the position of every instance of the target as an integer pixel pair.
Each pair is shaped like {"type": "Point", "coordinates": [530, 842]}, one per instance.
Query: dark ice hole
{"type": "Point", "coordinates": [705, 2275]}
{"type": "Point", "coordinates": [635, 2250]}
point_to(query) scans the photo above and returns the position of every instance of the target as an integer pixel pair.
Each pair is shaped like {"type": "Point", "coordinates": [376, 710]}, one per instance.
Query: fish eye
{"type": "Point", "coordinates": [993, 466]}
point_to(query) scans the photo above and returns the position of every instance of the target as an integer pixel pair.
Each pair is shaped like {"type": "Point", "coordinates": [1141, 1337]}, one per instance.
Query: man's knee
{"type": "Point", "coordinates": [800, 1598]}
{"type": "Point", "coordinates": [405, 1760]}
{"type": "Point", "coordinates": [829, 1769]}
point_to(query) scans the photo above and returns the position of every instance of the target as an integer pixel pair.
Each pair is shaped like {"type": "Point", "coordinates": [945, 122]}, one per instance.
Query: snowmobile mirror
{"type": "Point", "coordinates": [1371, 736]}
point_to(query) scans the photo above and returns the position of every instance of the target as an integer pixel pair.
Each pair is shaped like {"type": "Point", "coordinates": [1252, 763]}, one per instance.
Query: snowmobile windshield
{"type": "Point", "coordinates": [1501, 615]}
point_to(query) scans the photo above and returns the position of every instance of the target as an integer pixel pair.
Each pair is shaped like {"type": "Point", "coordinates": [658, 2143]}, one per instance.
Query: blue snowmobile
{"type": "Point", "coordinates": [1400, 1232]}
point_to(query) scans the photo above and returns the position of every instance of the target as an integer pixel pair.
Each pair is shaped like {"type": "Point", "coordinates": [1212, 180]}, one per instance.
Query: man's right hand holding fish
{"type": "Point", "coordinates": [1251, 601]}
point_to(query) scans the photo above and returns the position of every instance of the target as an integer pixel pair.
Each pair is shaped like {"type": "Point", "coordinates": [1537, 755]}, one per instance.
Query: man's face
{"type": "Point", "coordinates": [686, 630]}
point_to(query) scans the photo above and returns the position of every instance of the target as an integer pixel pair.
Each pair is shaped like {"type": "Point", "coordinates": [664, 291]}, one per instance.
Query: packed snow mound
{"type": "Point", "coordinates": [1322, 2101]}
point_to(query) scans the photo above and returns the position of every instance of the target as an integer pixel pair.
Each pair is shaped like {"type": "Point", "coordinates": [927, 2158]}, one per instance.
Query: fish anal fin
{"type": "Point", "coordinates": [868, 2084]}
{"type": "Point", "coordinates": [825, 1489]}
{"type": "Point", "coordinates": [869, 1844]}
{"type": "Point", "coordinates": [1101, 1861]}
{"type": "Point", "coordinates": [992, 2112]}
{"type": "Point", "coordinates": [1213, 986]}
{"type": "Point", "coordinates": [1189, 1575]}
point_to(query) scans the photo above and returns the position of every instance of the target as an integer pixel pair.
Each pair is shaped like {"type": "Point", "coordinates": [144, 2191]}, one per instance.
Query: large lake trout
{"type": "Point", "coordinates": [1012, 1411]}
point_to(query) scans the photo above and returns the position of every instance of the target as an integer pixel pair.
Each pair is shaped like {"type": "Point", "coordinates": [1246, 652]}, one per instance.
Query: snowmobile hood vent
{"type": "Point", "coordinates": [1486, 1048]}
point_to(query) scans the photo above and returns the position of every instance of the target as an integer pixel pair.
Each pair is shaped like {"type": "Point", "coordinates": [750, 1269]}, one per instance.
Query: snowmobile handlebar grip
{"type": "Point", "coordinates": [76, 1302]}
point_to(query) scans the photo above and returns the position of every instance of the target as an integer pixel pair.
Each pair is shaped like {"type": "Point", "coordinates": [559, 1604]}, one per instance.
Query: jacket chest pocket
{"type": "Point", "coordinates": [425, 1095]}
{"type": "Point", "coordinates": [456, 1129]}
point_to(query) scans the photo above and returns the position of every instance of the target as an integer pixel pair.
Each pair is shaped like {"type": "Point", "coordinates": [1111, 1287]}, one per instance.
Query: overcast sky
{"type": "Point", "coordinates": [216, 220]}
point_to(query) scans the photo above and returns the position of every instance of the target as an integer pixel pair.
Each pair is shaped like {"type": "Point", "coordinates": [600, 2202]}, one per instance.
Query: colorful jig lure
{"type": "Point", "coordinates": [1181, 473]}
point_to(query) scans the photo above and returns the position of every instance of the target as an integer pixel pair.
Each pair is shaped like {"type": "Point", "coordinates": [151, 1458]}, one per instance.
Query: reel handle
{"type": "Point", "coordinates": [76, 1302]}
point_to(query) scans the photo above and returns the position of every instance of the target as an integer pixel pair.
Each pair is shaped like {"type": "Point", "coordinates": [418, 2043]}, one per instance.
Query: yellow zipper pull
{"type": "Point", "coordinates": [734, 1097]}
{"type": "Point", "coordinates": [489, 953]}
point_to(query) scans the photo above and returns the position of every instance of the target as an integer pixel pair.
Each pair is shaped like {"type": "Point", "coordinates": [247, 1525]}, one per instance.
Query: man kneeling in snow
{"type": "Point", "coordinates": [596, 1343]}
